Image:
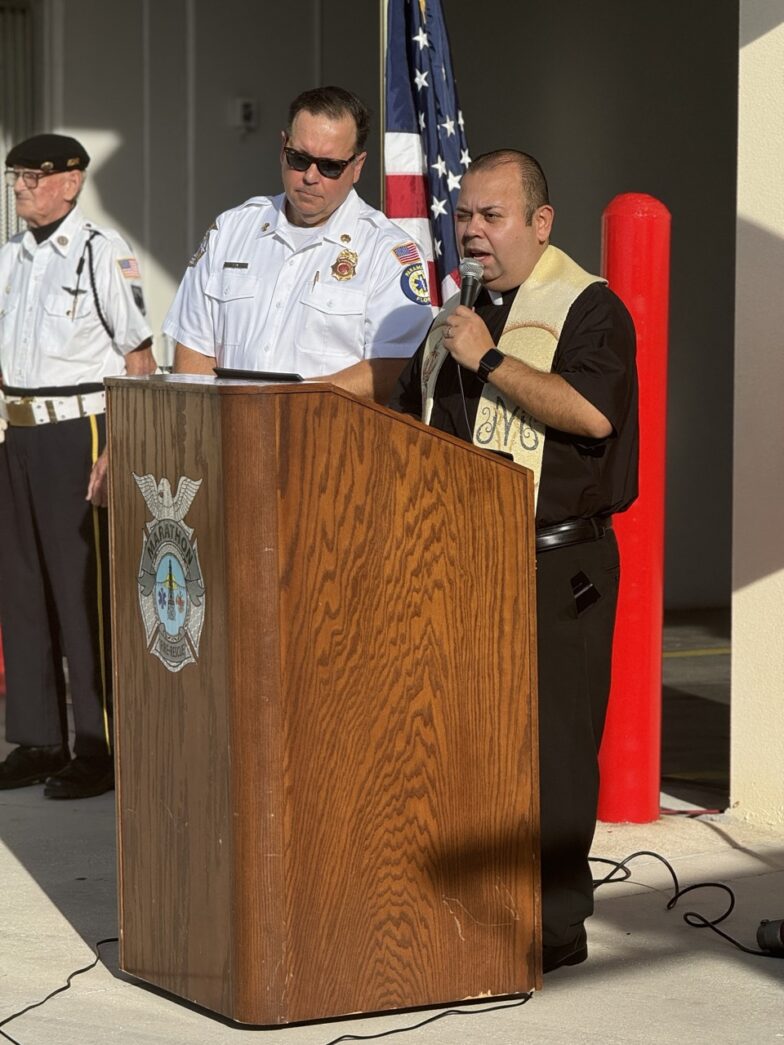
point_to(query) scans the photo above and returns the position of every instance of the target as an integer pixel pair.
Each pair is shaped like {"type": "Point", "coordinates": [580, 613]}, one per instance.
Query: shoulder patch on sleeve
{"type": "Point", "coordinates": [203, 245]}
{"type": "Point", "coordinates": [406, 253]}
{"type": "Point", "coordinates": [138, 297]}
{"type": "Point", "coordinates": [129, 267]}
{"type": "Point", "coordinates": [413, 283]}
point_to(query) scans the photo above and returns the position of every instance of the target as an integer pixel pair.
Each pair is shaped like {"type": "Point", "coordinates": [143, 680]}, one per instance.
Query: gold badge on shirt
{"type": "Point", "coordinates": [345, 266]}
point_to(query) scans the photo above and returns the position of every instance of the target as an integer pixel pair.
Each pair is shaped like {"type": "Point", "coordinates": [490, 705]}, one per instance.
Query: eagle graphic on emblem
{"type": "Point", "coordinates": [158, 496]}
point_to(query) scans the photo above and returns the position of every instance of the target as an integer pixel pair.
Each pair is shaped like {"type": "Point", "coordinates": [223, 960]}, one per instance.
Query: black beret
{"type": "Point", "coordinates": [49, 152]}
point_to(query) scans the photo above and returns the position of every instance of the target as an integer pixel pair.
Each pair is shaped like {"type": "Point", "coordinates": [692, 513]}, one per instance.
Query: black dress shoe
{"type": "Point", "coordinates": [31, 765]}
{"type": "Point", "coordinates": [571, 953]}
{"type": "Point", "coordinates": [82, 778]}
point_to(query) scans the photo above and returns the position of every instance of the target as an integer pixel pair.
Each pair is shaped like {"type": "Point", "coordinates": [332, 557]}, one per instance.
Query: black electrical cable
{"type": "Point", "coordinates": [431, 1019]}
{"type": "Point", "coordinates": [692, 918]}
{"type": "Point", "coordinates": [470, 435]}
{"type": "Point", "coordinates": [689, 814]}
{"type": "Point", "coordinates": [619, 873]}
{"type": "Point", "coordinates": [58, 990]}
{"type": "Point", "coordinates": [344, 1037]}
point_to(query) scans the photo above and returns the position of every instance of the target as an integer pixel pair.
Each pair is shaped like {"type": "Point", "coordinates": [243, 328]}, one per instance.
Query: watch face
{"type": "Point", "coordinates": [489, 361]}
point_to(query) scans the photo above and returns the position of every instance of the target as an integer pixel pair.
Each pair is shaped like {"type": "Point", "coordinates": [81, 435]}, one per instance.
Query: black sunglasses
{"type": "Point", "coordinates": [301, 161]}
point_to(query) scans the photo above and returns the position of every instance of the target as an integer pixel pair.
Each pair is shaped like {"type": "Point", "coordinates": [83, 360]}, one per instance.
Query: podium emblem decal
{"type": "Point", "coordinates": [171, 590]}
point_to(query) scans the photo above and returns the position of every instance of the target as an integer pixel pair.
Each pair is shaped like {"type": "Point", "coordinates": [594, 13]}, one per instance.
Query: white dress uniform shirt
{"type": "Point", "coordinates": [261, 294]}
{"type": "Point", "coordinates": [50, 331]}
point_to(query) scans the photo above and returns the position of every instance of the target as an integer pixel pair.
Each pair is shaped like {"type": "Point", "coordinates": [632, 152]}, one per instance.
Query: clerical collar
{"type": "Point", "coordinates": [45, 231]}
{"type": "Point", "coordinates": [497, 298]}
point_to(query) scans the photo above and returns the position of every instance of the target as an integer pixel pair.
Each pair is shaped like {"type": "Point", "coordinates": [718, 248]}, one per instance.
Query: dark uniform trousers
{"type": "Point", "coordinates": [575, 652]}
{"type": "Point", "coordinates": [54, 586]}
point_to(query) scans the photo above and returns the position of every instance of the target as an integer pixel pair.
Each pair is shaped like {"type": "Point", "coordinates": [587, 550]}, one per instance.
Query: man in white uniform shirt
{"type": "Point", "coordinates": [71, 314]}
{"type": "Point", "coordinates": [313, 281]}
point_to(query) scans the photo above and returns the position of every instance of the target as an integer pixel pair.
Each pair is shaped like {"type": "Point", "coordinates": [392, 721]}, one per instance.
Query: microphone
{"type": "Point", "coordinates": [471, 272]}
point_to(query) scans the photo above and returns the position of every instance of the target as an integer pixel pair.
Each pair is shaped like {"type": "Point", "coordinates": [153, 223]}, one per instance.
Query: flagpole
{"type": "Point", "coordinates": [318, 50]}
{"type": "Point", "coordinates": [382, 108]}
{"type": "Point", "coordinates": [425, 149]}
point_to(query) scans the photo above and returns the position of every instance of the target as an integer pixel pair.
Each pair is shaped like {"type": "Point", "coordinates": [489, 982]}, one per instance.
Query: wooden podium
{"type": "Point", "coordinates": [327, 794]}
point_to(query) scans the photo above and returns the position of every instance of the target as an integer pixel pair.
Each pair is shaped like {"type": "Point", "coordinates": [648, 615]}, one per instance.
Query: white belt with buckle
{"type": "Point", "coordinates": [27, 411]}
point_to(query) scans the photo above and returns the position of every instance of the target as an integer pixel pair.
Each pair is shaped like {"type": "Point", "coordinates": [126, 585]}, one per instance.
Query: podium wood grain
{"type": "Point", "coordinates": [336, 808]}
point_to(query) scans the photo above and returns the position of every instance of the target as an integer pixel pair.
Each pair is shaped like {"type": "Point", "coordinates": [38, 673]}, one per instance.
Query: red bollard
{"type": "Point", "coordinates": [636, 264]}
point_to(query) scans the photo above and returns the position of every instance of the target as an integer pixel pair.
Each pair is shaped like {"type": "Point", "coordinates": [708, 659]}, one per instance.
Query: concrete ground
{"type": "Point", "coordinates": [650, 977]}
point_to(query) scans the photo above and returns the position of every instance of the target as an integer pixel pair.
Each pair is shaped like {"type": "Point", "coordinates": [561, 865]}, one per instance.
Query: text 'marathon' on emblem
{"type": "Point", "coordinates": [171, 589]}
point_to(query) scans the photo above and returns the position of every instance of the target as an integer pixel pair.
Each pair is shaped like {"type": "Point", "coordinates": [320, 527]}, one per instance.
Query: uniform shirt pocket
{"type": "Point", "coordinates": [332, 322]}
{"type": "Point", "coordinates": [232, 300]}
{"type": "Point", "coordinates": [66, 315]}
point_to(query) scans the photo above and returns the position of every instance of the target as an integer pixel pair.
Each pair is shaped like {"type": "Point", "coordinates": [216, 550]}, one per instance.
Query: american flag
{"type": "Point", "coordinates": [406, 253]}
{"type": "Point", "coordinates": [129, 268]}
{"type": "Point", "coordinates": [425, 149]}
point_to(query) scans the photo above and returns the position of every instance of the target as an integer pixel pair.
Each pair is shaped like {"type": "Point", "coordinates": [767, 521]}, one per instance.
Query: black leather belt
{"type": "Point", "coordinates": [575, 531]}
{"type": "Point", "coordinates": [58, 391]}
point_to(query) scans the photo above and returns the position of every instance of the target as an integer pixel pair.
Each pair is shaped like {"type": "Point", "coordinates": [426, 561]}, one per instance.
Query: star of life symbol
{"type": "Point", "coordinates": [171, 590]}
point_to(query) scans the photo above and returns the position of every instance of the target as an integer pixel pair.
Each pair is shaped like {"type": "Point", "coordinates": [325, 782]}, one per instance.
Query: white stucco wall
{"type": "Point", "coordinates": [148, 88]}
{"type": "Point", "coordinates": [757, 733]}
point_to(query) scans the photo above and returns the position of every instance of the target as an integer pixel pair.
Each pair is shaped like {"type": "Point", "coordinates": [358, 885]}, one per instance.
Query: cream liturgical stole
{"type": "Point", "coordinates": [531, 334]}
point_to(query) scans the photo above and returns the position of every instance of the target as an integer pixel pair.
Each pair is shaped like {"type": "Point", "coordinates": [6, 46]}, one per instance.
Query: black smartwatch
{"type": "Point", "coordinates": [487, 364]}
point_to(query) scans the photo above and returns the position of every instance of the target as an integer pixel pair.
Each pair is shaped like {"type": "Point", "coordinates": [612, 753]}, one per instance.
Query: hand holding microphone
{"type": "Point", "coordinates": [466, 337]}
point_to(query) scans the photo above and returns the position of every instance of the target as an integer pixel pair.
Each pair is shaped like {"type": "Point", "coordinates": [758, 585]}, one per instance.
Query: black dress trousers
{"type": "Point", "coordinates": [575, 650]}
{"type": "Point", "coordinates": [54, 586]}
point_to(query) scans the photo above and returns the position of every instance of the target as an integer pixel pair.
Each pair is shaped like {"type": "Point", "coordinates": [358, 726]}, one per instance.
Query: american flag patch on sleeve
{"type": "Point", "coordinates": [129, 268]}
{"type": "Point", "coordinates": [406, 253]}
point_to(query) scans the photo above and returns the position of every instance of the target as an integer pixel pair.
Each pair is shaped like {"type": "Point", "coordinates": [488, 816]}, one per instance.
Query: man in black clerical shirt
{"type": "Point", "coordinates": [544, 370]}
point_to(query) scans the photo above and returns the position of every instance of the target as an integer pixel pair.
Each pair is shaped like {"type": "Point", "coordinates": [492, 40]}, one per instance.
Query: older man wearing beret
{"type": "Point", "coordinates": [71, 313]}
